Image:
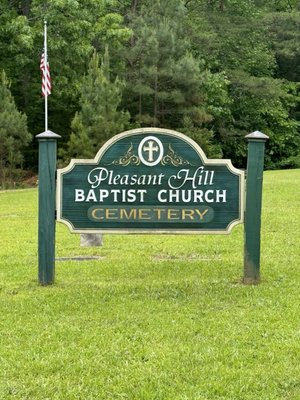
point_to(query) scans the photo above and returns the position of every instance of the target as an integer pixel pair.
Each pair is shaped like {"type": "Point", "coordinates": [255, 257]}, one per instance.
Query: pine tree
{"type": "Point", "coordinates": [14, 135]}
{"type": "Point", "coordinates": [154, 60]}
{"type": "Point", "coordinates": [99, 117]}
{"type": "Point", "coordinates": [165, 80]}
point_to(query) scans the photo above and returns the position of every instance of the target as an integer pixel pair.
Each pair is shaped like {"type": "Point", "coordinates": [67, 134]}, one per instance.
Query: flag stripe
{"type": "Point", "coordinates": [46, 79]}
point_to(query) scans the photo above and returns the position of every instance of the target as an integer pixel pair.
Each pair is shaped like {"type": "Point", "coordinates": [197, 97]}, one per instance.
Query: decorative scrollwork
{"type": "Point", "coordinates": [129, 158]}
{"type": "Point", "coordinates": [171, 158]}
{"type": "Point", "coordinates": [174, 159]}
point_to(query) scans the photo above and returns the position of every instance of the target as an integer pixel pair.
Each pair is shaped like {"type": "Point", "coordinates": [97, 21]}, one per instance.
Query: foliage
{"type": "Point", "coordinates": [220, 66]}
{"type": "Point", "coordinates": [99, 117]}
{"type": "Point", "coordinates": [14, 135]}
{"type": "Point", "coordinates": [156, 58]}
{"type": "Point", "coordinates": [284, 31]}
{"type": "Point", "coordinates": [243, 39]}
{"type": "Point", "coordinates": [266, 103]}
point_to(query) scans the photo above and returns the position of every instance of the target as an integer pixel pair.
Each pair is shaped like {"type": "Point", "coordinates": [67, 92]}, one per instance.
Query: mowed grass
{"type": "Point", "coordinates": [158, 317]}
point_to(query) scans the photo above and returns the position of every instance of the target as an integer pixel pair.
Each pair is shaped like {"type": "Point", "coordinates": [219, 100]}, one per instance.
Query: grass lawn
{"type": "Point", "coordinates": [158, 317]}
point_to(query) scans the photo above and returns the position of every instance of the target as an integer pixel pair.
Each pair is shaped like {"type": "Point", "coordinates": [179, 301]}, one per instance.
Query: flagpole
{"type": "Point", "coordinates": [46, 63]}
{"type": "Point", "coordinates": [47, 183]}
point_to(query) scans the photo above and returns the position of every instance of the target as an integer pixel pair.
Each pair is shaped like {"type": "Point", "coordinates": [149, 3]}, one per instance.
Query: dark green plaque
{"type": "Point", "coordinates": [150, 180]}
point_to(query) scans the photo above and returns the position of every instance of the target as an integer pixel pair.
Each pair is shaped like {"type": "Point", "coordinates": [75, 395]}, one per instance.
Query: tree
{"type": "Point", "coordinates": [99, 117]}
{"type": "Point", "coordinates": [14, 135]}
{"type": "Point", "coordinates": [156, 58]}
{"type": "Point", "coordinates": [284, 34]}
{"type": "Point", "coordinates": [266, 103]}
{"type": "Point", "coordinates": [254, 46]}
{"type": "Point", "coordinates": [191, 65]}
{"type": "Point", "coordinates": [166, 83]}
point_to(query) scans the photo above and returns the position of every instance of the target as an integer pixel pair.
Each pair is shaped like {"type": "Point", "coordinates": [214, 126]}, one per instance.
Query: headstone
{"type": "Point", "coordinates": [91, 240]}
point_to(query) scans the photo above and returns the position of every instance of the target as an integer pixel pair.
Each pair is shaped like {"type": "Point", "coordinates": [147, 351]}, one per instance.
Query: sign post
{"type": "Point", "coordinates": [255, 164]}
{"type": "Point", "coordinates": [149, 180]}
{"type": "Point", "coordinates": [46, 225]}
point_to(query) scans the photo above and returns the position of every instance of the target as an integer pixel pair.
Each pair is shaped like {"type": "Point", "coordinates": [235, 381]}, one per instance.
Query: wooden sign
{"type": "Point", "coordinates": [150, 181]}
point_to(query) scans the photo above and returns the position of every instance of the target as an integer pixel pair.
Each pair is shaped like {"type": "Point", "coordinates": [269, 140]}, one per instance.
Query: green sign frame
{"type": "Point", "coordinates": [150, 180]}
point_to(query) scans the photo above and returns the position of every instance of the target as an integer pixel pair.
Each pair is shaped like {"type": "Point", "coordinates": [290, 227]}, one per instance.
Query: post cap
{"type": "Point", "coordinates": [48, 135]}
{"type": "Point", "coordinates": [257, 135]}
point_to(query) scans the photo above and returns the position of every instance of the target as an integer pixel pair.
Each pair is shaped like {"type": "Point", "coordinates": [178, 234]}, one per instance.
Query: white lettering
{"type": "Point", "coordinates": [96, 176]}
{"type": "Point", "coordinates": [207, 199]}
{"type": "Point", "coordinates": [186, 196]}
{"type": "Point", "coordinates": [91, 196]}
{"type": "Point", "coordinates": [124, 180]}
{"type": "Point", "coordinates": [79, 195]}
{"type": "Point", "coordinates": [198, 196]}
{"type": "Point", "coordinates": [141, 193]}
{"type": "Point", "coordinates": [131, 196]}
{"type": "Point", "coordinates": [115, 193]}
{"type": "Point", "coordinates": [159, 196]}
{"type": "Point", "coordinates": [182, 177]}
{"type": "Point", "coordinates": [221, 195]}
{"type": "Point", "coordinates": [174, 196]}
{"type": "Point", "coordinates": [103, 194]}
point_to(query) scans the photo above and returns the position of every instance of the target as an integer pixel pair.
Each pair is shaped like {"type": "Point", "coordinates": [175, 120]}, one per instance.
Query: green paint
{"type": "Point", "coordinates": [255, 163]}
{"type": "Point", "coordinates": [46, 225]}
{"type": "Point", "coordinates": [150, 180]}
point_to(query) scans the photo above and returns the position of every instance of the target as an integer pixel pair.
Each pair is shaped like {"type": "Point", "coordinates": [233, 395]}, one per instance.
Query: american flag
{"type": "Point", "coordinates": [46, 80]}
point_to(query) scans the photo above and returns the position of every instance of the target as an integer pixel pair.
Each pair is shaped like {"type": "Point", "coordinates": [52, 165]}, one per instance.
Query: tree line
{"type": "Point", "coordinates": [215, 70]}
